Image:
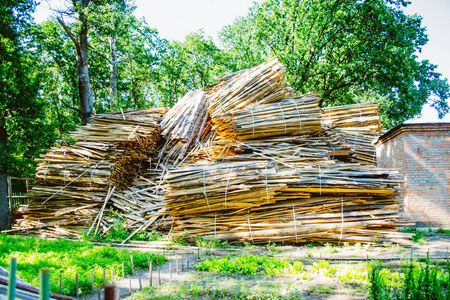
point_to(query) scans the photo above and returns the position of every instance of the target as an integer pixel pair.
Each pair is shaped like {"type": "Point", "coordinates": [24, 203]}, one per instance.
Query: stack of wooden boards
{"type": "Point", "coordinates": [275, 167]}
{"type": "Point", "coordinates": [72, 181]}
{"type": "Point", "coordinates": [246, 160]}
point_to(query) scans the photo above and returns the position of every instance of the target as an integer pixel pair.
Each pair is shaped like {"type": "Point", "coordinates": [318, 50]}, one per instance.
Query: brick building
{"type": "Point", "coordinates": [422, 153]}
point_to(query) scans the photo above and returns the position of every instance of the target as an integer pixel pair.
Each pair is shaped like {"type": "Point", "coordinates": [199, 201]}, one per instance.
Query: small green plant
{"type": "Point", "coordinates": [324, 268]}
{"type": "Point", "coordinates": [180, 240]}
{"type": "Point", "coordinates": [353, 275]}
{"type": "Point", "coordinates": [330, 248]}
{"type": "Point", "coordinates": [204, 243]}
{"type": "Point", "coordinates": [250, 246]}
{"type": "Point", "coordinates": [272, 248]}
{"type": "Point", "coordinates": [321, 289]}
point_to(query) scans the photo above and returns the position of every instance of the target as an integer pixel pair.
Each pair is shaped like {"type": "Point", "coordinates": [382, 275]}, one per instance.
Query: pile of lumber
{"type": "Point", "coordinates": [275, 167]}
{"type": "Point", "coordinates": [246, 160]}
{"type": "Point", "coordinates": [72, 181]}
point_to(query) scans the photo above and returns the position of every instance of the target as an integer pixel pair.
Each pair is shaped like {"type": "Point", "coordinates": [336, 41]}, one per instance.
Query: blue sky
{"type": "Point", "coordinates": [176, 18]}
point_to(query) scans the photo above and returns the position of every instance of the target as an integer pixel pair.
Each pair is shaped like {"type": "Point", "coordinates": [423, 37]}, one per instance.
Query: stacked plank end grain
{"type": "Point", "coordinates": [358, 126]}
{"type": "Point", "coordinates": [72, 181]}
{"type": "Point", "coordinates": [276, 169]}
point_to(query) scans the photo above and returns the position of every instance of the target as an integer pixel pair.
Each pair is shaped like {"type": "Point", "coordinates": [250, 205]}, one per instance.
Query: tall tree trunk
{"type": "Point", "coordinates": [4, 206]}
{"type": "Point", "coordinates": [84, 85]}
{"type": "Point", "coordinates": [113, 69]}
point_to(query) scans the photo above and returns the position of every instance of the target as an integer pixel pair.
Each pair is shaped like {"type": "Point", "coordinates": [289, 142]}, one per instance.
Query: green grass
{"type": "Point", "coordinates": [68, 258]}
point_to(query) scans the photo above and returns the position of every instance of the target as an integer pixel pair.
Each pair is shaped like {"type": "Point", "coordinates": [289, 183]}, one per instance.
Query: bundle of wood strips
{"type": "Point", "coordinates": [259, 85]}
{"type": "Point", "coordinates": [183, 125]}
{"type": "Point", "coordinates": [291, 116]}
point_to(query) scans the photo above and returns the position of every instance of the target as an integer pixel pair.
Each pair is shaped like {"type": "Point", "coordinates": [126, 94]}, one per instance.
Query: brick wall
{"type": "Point", "coordinates": [422, 153]}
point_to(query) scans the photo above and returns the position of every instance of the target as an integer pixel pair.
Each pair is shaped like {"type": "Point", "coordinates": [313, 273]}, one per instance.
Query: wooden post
{"type": "Point", "coordinates": [159, 277]}
{"type": "Point", "coordinates": [170, 269]}
{"type": "Point", "coordinates": [164, 253]}
{"type": "Point", "coordinates": [176, 263]}
{"type": "Point", "coordinates": [132, 265]}
{"type": "Point", "coordinates": [92, 280]}
{"type": "Point", "coordinates": [140, 283]}
{"type": "Point", "coordinates": [10, 194]}
{"type": "Point", "coordinates": [44, 283]}
{"type": "Point", "coordinates": [150, 273]}
{"type": "Point", "coordinates": [129, 287]}
{"type": "Point", "coordinates": [99, 294]}
{"type": "Point", "coordinates": [198, 253]}
{"type": "Point", "coordinates": [109, 292]}
{"type": "Point", "coordinates": [12, 278]}
{"type": "Point", "coordinates": [76, 281]}
{"type": "Point", "coordinates": [182, 262]}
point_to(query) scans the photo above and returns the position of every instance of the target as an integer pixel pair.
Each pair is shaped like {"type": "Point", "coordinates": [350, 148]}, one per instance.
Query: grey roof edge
{"type": "Point", "coordinates": [405, 127]}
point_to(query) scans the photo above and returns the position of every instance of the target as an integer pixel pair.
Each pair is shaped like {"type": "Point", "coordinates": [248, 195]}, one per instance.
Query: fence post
{"type": "Point", "coordinates": [44, 284]}
{"type": "Point", "coordinates": [109, 292]}
{"type": "Point", "coordinates": [12, 278]}
{"type": "Point", "coordinates": [10, 194]}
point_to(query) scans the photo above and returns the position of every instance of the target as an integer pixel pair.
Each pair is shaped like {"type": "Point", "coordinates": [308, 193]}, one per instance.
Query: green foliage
{"type": "Point", "coordinates": [204, 243]}
{"type": "Point", "coordinates": [322, 289]}
{"type": "Point", "coordinates": [119, 231]}
{"type": "Point", "coordinates": [417, 281]}
{"type": "Point", "coordinates": [349, 51]}
{"type": "Point", "coordinates": [353, 275]}
{"type": "Point", "coordinates": [68, 258]}
{"type": "Point", "coordinates": [24, 129]}
{"type": "Point", "coordinates": [323, 267]}
{"type": "Point", "coordinates": [250, 265]}
{"type": "Point", "coordinates": [188, 65]}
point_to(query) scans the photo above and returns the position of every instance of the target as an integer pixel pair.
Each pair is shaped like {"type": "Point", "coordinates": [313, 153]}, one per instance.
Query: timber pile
{"type": "Point", "coordinates": [247, 160]}
{"type": "Point", "coordinates": [72, 181]}
{"type": "Point", "coordinates": [275, 167]}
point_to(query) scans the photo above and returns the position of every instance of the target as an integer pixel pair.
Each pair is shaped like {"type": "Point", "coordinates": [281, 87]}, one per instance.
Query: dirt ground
{"type": "Point", "coordinates": [313, 287]}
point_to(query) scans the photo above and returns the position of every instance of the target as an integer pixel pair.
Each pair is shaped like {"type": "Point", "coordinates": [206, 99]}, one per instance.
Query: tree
{"type": "Point", "coordinates": [23, 127]}
{"type": "Point", "coordinates": [188, 65]}
{"type": "Point", "coordinates": [124, 53]}
{"type": "Point", "coordinates": [348, 50]}
{"type": "Point", "coordinates": [80, 41]}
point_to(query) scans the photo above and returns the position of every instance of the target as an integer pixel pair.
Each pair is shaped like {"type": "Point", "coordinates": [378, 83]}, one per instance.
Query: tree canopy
{"type": "Point", "coordinates": [347, 50]}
